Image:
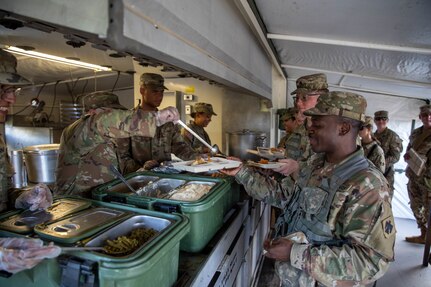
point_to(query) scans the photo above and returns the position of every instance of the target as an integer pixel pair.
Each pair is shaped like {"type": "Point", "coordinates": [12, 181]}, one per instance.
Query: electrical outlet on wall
{"type": "Point", "coordinates": [188, 97]}
{"type": "Point", "coordinates": [188, 109]}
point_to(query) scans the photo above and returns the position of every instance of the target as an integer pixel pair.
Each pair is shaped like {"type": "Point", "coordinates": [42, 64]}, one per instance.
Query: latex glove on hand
{"type": "Point", "coordinates": [17, 254]}
{"type": "Point", "coordinates": [39, 197]}
{"type": "Point", "coordinates": [169, 114]}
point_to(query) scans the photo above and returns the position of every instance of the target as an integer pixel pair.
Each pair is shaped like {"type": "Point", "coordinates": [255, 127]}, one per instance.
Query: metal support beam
{"type": "Point", "coordinates": [349, 44]}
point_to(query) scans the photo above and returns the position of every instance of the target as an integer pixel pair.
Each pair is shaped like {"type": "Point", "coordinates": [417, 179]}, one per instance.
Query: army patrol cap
{"type": "Point", "coordinates": [8, 74]}
{"type": "Point", "coordinates": [381, 114]}
{"type": "Point", "coordinates": [153, 80]}
{"type": "Point", "coordinates": [289, 113]}
{"type": "Point", "coordinates": [343, 104]}
{"type": "Point", "coordinates": [310, 83]}
{"type": "Point", "coordinates": [101, 100]}
{"type": "Point", "coordinates": [203, 108]}
{"type": "Point", "coordinates": [426, 109]}
{"type": "Point", "coordinates": [368, 121]}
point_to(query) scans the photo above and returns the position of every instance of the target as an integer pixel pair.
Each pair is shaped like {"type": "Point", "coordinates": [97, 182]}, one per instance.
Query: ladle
{"type": "Point", "coordinates": [121, 177]}
{"type": "Point", "coordinates": [214, 149]}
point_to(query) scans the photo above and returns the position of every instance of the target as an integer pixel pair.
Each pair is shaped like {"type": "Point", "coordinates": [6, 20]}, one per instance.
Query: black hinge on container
{"type": "Point", "coordinates": [113, 198]}
{"type": "Point", "coordinates": [166, 208]}
{"type": "Point", "coordinates": [77, 272]}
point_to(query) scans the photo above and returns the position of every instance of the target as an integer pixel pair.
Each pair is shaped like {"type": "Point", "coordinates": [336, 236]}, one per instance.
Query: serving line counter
{"type": "Point", "coordinates": [214, 237]}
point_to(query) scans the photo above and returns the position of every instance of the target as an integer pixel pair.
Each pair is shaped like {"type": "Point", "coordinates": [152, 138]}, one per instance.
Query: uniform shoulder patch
{"type": "Point", "coordinates": [388, 226]}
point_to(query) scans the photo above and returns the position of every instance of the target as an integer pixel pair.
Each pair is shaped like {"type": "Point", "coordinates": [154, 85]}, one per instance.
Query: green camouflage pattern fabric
{"type": "Point", "coordinates": [101, 99]}
{"type": "Point", "coordinates": [297, 145]}
{"type": "Point", "coordinates": [6, 172]}
{"type": "Point", "coordinates": [375, 154]}
{"type": "Point", "coordinates": [360, 213]}
{"type": "Point", "coordinates": [135, 151]}
{"type": "Point", "coordinates": [88, 147]}
{"type": "Point", "coordinates": [284, 140]}
{"type": "Point", "coordinates": [392, 146]}
{"type": "Point", "coordinates": [193, 141]}
{"type": "Point", "coordinates": [153, 80]}
{"type": "Point", "coordinates": [8, 73]}
{"type": "Point", "coordinates": [310, 83]}
{"type": "Point", "coordinates": [345, 104]}
{"type": "Point", "coordinates": [381, 114]}
{"type": "Point", "coordinates": [419, 192]}
{"type": "Point", "coordinates": [203, 108]}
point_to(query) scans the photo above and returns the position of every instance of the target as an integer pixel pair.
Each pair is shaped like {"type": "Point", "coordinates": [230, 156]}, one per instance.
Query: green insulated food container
{"type": "Point", "coordinates": [205, 213]}
{"type": "Point", "coordinates": [152, 263]}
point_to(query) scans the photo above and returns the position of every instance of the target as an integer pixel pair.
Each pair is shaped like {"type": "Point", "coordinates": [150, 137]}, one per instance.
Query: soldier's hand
{"type": "Point", "coordinates": [232, 171]}
{"type": "Point", "coordinates": [169, 114]}
{"type": "Point", "coordinates": [278, 249]}
{"type": "Point", "coordinates": [289, 166]}
{"type": "Point", "coordinates": [150, 164]}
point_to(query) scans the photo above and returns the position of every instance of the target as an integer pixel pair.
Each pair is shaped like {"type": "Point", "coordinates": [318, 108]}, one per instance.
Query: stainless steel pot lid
{"type": "Point", "coordinates": [42, 149]}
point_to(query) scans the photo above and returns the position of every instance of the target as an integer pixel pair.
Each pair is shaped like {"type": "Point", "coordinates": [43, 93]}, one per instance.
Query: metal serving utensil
{"type": "Point", "coordinates": [214, 150]}
{"type": "Point", "coordinates": [121, 177]}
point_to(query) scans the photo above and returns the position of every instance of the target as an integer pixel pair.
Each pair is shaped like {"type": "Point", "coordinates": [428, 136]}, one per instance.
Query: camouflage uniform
{"type": "Point", "coordinates": [375, 154]}
{"type": "Point", "coordinates": [88, 146]}
{"type": "Point", "coordinates": [197, 145]}
{"type": "Point", "coordinates": [342, 209]}
{"type": "Point", "coordinates": [289, 113]}
{"type": "Point", "coordinates": [9, 78]}
{"type": "Point", "coordinates": [298, 144]}
{"type": "Point", "coordinates": [392, 146]}
{"type": "Point", "coordinates": [418, 189]}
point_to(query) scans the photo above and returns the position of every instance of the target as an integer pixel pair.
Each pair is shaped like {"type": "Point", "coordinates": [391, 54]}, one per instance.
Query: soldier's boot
{"type": "Point", "coordinates": [418, 239]}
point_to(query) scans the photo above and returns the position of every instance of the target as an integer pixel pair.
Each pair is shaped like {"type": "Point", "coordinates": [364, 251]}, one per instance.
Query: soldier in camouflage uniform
{"type": "Point", "coordinates": [419, 186]}
{"type": "Point", "coordinates": [201, 114]}
{"type": "Point", "coordinates": [337, 228]}
{"type": "Point", "coordinates": [290, 121]}
{"type": "Point", "coordinates": [390, 142]}
{"type": "Point", "coordinates": [10, 81]}
{"type": "Point", "coordinates": [148, 152]}
{"type": "Point", "coordinates": [372, 149]}
{"type": "Point", "coordinates": [309, 88]}
{"type": "Point", "coordinates": [88, 146]}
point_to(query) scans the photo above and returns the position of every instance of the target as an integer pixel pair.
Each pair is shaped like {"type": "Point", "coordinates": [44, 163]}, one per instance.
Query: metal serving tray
{"type": "Point", "coordinates": [125, 227]}
{"type": "Point", "coordinates": [191, 191]}
{"type": "Point", "coordinates": [80, 225]}
{"type": "Point", "coordinates": [160, 188]}
{"type": "Point", "coordinates": [136, 182]}
{"type": "Point", "coordinates": [24, 222]}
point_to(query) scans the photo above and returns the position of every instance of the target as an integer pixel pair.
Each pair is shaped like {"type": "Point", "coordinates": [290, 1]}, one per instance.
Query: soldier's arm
{"type": "Point", "coordinates": [365, 223]}
{"type": "Point", "coordinates": [126, 123]}
{"type": "Point", "coordinates": [394, 153]}
{"type": "Point", "coordinates": [180, 147]}
{"type": "Point", "coordinates": [276, 192]}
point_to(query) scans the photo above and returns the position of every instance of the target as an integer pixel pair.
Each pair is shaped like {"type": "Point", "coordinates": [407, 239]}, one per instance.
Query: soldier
{"type": "Point", "coordinates": [201, 114]}
{"type": "Point", "coordinates": [337, 228]}
{"type": "Point", "coordinates": [148, 152]}
{"type": "Point", "coordinates": [390, 142]}
{"type": "Point", "coordinates": [290, 120]}
{"type": "Point", "coordinates": [88, 146]}
{"type": "Point", "coordinates": [419, 186]}
{"type": "Point", "coordinates": [308, 90]}
{"type": "Point", "coordinates": [372, 149]}
{"type": "Point", "coordinates": [10, 82]}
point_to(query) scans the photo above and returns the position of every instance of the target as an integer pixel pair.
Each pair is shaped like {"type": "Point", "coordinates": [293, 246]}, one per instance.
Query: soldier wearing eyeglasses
{"type": "Point", "coordinates": [391, 143]}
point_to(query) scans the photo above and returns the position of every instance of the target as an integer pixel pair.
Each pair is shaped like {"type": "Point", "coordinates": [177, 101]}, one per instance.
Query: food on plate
{"type": "Point", "coordinates": [200, 160]}
{"type": "Point", "coordinates": [263, 161]}
{"type": "Point", "coordinates": [127, 244]}
{"type": "Point", "coordinates": [191, 192]}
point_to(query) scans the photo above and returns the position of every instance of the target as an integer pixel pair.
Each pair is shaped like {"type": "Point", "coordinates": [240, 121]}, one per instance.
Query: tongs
{"type": "Point", "coordinates": [214, 149]}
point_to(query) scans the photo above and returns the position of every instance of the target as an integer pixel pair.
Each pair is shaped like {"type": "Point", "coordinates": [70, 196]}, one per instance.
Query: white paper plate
{"type": "Point", "coordinates": [270, 165]}
{"type": "Point", "coordinates": [216, 163]}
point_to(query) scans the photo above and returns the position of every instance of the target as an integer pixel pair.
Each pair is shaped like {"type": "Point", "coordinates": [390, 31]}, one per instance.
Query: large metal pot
{"type": "Point", "coordinates": [238, 143]}
{"type": "Point", "coordinates": [41, 162]}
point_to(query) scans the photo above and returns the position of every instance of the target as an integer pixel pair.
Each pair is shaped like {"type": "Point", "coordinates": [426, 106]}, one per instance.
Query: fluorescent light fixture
{"type": "Point", "coordinates": [56, 59]}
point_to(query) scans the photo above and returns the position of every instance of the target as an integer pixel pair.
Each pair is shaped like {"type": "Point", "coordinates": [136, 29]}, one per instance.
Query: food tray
{"type": "Point", "coordinates": [24, 222]}
{"type": "Point", "coordinates": [124, 228]}
{"type": "Point", "coordinates": [136, 182]}
{"type": "Point", "coordinates": [80, 225]}
{"type": "Point", "coordinates": [216, 163]}
{"type": "Point", "coordinates": [191, 191]}
{"type": "Point", "coordinates": [160, 188]}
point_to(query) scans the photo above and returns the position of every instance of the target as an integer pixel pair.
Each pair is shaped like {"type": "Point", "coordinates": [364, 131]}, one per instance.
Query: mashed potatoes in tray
{"type": "Point", "coordinates": [191, 192]}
